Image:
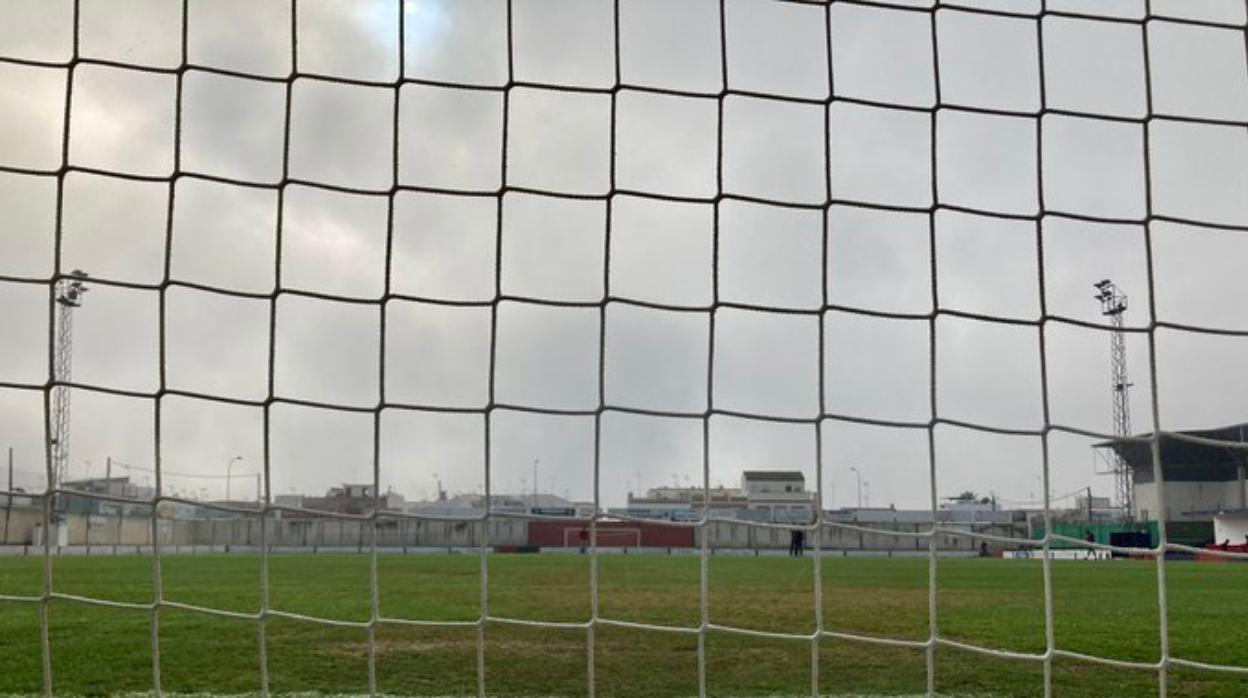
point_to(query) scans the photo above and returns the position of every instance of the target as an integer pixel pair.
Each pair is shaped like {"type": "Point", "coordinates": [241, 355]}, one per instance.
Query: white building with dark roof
{"type": "Point", "coordinates": [1204, 473]}
{"type": "Point", "coordinates": [778, 496]}
{"type": "Point", "coordinates": [775, 496]}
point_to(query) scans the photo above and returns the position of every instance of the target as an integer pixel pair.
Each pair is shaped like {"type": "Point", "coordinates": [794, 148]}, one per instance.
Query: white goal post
{"type": "Point", "coordinates": [605, 538]}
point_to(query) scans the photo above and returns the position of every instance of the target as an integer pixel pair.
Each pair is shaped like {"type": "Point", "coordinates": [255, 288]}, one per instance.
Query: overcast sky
{"type": "Point", "coordinates": [438, 355]}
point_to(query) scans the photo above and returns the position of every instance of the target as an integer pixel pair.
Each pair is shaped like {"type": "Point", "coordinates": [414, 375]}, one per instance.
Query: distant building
{"type": "Point", "coordinates": [474, 505]}
{"type": "Point", "coordinates": [683, 503]}
{"type": "Point", "coordinates": [774, 496]}
{"type": "Point", "coordinates": [353, 499]}
{"type": "Point", "coordinates": [778, 496]}
{"type": "Point", "coordinates": [110, 487]}
{"type": "Point", "coordinates": [968, 503]}
{"type": "Point", "coordinates": [120, 487]}
{"type": "Point", "coordinates": [1201, 479]}
{"type": "Point", "coordinates": [969, 517]}
{"type": "Point", "coordinates": [771, 482]}
{"type": "Point", "coordinates": [1093, 509]}
{"type": "Point", "coordinates": [292, 501]}
{"type": "Point", "coordinates": [15, 500]}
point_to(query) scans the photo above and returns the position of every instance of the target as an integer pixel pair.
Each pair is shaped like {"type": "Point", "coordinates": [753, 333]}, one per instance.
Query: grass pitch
{"type": "Point", "coordinates": [1107, 609]}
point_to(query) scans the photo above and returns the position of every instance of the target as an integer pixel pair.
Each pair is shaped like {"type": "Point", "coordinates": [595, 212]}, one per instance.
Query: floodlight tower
{"type": "Point", "coordinates": [69, 292]}
{"type": "Point", "coordinates": [1113, 306]}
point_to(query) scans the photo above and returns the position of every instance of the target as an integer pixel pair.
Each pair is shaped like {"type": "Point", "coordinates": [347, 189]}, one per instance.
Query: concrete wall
{"type": "Point", "coordinates": [18, 523]}
{"type": "Point", "coordinates": [337, 533]}
{"type": "Point", "coordinates": [734, 535]}
{"type": "Point", "coordinates": [98, 530]}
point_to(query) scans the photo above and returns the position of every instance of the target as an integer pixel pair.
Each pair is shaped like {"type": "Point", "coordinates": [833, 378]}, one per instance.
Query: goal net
{"type": "Point", "coordinates": [603, 538]}
{"type": "Point", "coordinates": [339, 283]}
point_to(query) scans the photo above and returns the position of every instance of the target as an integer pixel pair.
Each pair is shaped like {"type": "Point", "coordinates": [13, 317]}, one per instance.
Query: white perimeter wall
{"type": "Point", "coordinates": [1230, 527]}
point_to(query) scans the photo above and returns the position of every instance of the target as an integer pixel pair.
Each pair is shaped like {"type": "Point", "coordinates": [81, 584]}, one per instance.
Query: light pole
{"type": "Point", "coordinates": [536, 461]}
{"type": "Point", "coordinates": [858, 475]}
{"type": "Point", "coordinates": [1114, 305]}
{"type": "Point", "coordinates": [228, 468]}
{"type": "Point", "coordinates": [69, 293]}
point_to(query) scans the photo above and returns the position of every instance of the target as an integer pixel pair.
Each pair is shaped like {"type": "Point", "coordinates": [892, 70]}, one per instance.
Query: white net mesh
{"type": "Point", "coordinates": [945, 113]}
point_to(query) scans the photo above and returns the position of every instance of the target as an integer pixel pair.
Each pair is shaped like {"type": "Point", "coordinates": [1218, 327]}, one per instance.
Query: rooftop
{"type": "Point", "coordinates": [98, 480]}
{"type": "Point", "coordinates": [774, 475]}
{"type": "Point", "coordinates": [1185, 448]}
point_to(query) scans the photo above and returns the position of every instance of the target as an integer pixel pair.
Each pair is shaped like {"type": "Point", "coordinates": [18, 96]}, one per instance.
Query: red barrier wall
{"type": "Point", "coordinates": [550, 534]}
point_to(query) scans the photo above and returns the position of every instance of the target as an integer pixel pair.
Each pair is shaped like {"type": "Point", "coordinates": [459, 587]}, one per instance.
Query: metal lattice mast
{"type": "Point", "coordinates": [69, 293]}
{"type": "Point", "coordinates": [1114, 305]}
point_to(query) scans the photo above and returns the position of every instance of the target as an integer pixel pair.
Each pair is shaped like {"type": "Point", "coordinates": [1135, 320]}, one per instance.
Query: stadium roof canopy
{"type": "Point", "coordinates": [774, 475]}
{"type": "Point", "coordinates": [1184, 458]}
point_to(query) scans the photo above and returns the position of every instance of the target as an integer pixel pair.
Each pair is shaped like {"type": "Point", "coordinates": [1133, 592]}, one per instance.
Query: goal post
{"type": "Point", "coordinates": [603, 537]}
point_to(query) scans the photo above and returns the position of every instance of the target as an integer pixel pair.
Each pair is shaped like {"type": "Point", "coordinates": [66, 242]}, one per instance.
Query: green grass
{"type": "Point", "coordinates": [1105, 609]}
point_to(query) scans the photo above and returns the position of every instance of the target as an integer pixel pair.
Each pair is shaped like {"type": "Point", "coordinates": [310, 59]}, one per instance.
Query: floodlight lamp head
{"type": "Point", "coordinates": [1102, 284]}
{"type": "Point", "coordinates": [71, 294]}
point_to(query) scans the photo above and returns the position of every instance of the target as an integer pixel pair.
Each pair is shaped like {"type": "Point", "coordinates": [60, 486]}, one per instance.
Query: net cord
{"type": "Point", "coordinates": [377, 619]}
